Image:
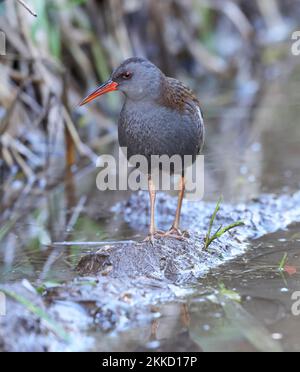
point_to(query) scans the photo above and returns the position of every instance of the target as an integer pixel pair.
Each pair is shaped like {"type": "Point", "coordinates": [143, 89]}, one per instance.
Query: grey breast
{"type": "Point", "coordinates": [149, 129]}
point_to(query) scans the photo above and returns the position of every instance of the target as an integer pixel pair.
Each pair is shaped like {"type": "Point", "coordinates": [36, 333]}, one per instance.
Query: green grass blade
{"type": "Point", "coordinates": [224, 230]}
{"type": "Point", "coordinates": [40, 313]}
{"type": "Point", "coordinates": [212, 221]}
{"type": "Point", "coordinates": [283, 262]}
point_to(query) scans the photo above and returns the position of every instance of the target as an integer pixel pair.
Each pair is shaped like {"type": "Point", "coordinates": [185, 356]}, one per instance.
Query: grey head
{"type": "Point", "coordinates": [138, 79]}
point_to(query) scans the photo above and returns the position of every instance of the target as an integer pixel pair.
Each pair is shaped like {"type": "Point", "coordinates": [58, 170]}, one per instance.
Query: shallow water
{"type": "Point", "coordinates": [264, 311]}
{"type": "Point", "coordinates": [249, 151]}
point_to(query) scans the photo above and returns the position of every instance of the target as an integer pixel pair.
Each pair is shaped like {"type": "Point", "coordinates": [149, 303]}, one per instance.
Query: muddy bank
{"type": "Point", "coordinates": [117, 286]}
{"type": "Point", "coordinates": [184, 262]}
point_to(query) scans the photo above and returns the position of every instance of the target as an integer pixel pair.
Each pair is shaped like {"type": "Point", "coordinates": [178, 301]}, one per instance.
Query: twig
{"type": "Point", "coordinates": [83, 149]}
{"type": "Point", "coordinates": [15, 144]}
{"type": "Point", "coordinates": [7, 156]}
{"type": "Point", "coordinates": [22, 2]}
{"type": "Point", "coordinates": [24, 166]}
{"type": "Point", "coordinates": [77, 212]}
{"type": "Point", "coordinates": [53, 257]}
{"type": "Point", "coordinates": [90, 244]}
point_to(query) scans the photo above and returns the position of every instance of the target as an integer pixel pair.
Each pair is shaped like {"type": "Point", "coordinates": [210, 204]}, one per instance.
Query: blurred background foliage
{"type": "Point", "coordinates": [220, 48]}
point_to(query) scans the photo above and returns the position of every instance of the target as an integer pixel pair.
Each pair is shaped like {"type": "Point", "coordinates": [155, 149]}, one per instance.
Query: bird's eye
{"type": "Point", "coordinates": [127, 75]}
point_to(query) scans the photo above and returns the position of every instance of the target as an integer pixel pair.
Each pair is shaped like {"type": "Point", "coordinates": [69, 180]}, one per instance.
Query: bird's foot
{"type": "Point", "coordinates": [154, 236]}
{"type": "Point", "coordinates": [177, 234]}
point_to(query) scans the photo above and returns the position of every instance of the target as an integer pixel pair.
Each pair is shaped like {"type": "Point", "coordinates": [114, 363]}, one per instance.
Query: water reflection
{"type": "Point", "coordinates": [256, 149]}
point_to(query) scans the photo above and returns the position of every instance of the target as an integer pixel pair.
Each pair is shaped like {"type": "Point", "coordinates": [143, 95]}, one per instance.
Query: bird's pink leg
{"type": "Point", "coordinates": [175, 231]}
{"type": "Point", "coordinates": [152, 232]}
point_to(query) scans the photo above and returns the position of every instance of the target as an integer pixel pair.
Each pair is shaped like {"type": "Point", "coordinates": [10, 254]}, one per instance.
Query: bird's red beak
{"type": "Point", "coordinates": [107, 87]}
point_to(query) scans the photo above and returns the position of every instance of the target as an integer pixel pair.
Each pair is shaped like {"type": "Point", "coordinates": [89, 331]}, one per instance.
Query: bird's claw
{"type": "Point", "coordinates": [173, 233]}
{"type": "Point", "coordinates": [177, 234]}
{"type": "Point", "coordinates": [153, 236]}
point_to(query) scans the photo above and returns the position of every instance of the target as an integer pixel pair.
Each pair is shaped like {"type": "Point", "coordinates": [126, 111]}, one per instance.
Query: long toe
{"type": "Point", "coordinates": [152, 237]}
{"type": "Point", "coordinates": [149, 239]}
{"type": "Point", "coordinates": [177, 234]}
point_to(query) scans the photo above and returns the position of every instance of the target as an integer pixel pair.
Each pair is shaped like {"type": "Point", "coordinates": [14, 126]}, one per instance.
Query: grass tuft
{"type": "Point", "coordinates": [222, 230]}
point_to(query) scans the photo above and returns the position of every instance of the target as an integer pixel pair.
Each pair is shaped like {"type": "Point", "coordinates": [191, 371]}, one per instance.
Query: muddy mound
{"type": "Point", "coordinates": [118, 285]}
